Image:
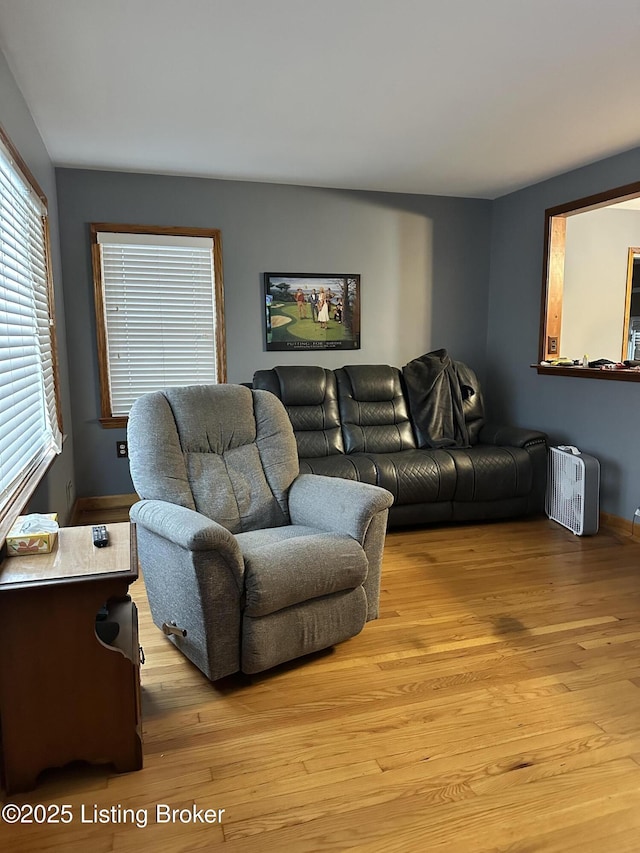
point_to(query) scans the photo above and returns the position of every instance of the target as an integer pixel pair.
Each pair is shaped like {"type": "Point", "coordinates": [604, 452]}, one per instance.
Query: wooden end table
{"type": "Point", "coordinates": [66, 695]}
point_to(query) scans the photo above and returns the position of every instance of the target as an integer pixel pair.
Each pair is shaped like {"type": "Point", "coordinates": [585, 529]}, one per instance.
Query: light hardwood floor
{"type": "Point", "coordinates": [494, 706]}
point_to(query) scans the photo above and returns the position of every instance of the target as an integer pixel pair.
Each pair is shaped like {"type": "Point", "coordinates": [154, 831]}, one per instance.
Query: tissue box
{"type": "Point", "coordinates": [33, 534]}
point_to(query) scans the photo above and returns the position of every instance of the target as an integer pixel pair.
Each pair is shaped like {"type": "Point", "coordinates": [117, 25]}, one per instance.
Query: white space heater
{"type": "Point", "coordinates": [573, 490]}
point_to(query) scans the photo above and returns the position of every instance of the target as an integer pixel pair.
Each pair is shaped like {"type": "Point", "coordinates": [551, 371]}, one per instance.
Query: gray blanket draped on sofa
{"type": "Point", "coordinates": [436, 390]}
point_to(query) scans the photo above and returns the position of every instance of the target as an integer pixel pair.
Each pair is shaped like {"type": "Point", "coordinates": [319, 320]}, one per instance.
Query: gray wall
{"type": "Point", "coordinates": [424, 266]}
{"type": "Point", "coordinates": [424, 263]}
{"type": "Point", "coordinates": [55, 493]}
{"type": "Point", "coordinates": [600, 417]}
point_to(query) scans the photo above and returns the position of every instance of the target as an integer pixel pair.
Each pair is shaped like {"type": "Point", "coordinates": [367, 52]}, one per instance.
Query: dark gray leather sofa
{"type": "Point", "coordinates": [419, 432]}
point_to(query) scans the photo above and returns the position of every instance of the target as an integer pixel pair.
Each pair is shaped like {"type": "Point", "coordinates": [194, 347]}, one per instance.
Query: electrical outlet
{"type": "Point", "coordinates": [552, 345]}
{"type": "Point", "coordinates": [122, 449]}
{"type": "Point", "coordinates": [637, 513]}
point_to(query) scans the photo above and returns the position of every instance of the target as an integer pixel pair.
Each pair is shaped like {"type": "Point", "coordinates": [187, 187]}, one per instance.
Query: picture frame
{"type": "Point", "coordinates": [311, 311]}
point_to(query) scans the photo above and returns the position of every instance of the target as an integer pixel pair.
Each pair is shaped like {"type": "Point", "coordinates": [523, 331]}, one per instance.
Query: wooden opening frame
{"type": "Point", "coordinates": [553, 282]}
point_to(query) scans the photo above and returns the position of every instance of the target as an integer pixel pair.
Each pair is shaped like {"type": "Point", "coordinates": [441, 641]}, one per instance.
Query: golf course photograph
{"type": "Point", "coordinates": [312, 311]}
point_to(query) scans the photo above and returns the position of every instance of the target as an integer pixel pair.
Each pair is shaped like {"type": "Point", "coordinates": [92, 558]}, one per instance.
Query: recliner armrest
{"type": "Point", "coordinates": [194, 576]}
{"type": "Point", "coordinates": [185, 527]}
{"type": "Point", "coordinates": [511, 436]}
{"type": "Point", "coordinates": [336, 505]}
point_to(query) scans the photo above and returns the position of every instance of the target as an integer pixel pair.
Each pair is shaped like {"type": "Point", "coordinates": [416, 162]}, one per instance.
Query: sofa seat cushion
{"type": "Point", "coordinates": [488, 473]}
{"type": "Point", "coordinates": [416, 476]}
{"type": "Point", "coordinates": [291, 564]}
{"type": "Point", "coordinates": [355, 466]}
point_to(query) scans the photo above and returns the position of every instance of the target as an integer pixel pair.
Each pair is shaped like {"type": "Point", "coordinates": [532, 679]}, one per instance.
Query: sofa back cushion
{"type": "Point", "coordinates": [310, 397]}
{"type": "Point", "coordinates": [373, 409]}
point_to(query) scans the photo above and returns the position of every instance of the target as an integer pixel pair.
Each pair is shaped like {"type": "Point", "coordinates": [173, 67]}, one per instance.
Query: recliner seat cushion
{"type": "Point", "coordinates": [295, 564]}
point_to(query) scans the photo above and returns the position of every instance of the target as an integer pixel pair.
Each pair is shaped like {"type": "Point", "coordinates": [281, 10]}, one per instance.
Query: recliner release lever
{"type": "Point", "coordinates": [172, 628]}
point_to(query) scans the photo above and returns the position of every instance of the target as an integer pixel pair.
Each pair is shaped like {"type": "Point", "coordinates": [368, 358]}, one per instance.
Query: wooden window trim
{"type": "Point", "coordinates": [52, 323]}
{"type": "Point", "coordinates": [26, 172]}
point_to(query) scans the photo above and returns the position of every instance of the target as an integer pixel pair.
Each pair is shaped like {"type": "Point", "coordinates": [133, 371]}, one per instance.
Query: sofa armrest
{"type": "Point", "coordinates": [336, 505]}
{"type": "Point", "coordinates": [535, 443]}
{"type": "Point", "coordinates": [511, 436]}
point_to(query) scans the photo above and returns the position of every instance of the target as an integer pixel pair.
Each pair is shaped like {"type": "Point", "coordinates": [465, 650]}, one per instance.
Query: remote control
{"type": "Point", "coordinates": [100, 535]}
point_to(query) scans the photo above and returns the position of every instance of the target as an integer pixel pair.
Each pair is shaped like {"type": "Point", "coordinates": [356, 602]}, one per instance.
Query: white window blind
{"type": "Point", "coordinates": [29, 432]}
{"type": "Point", "coordinates": [159, 313]}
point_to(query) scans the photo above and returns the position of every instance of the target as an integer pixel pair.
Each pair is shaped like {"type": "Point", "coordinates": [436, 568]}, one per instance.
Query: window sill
{"type": "Point", "coordinates": [119, 422]}
{"type": "Point", "coordinates": [589, 373]}
{"type": "Point", "coordinates": [24, 494]}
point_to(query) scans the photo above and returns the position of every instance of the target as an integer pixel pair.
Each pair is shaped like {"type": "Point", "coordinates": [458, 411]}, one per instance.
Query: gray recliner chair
{"type": "Point", "coordinates": [247, 564]}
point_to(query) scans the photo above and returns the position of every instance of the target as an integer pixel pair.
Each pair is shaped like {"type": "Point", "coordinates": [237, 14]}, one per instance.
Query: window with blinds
{"type": "Point", "coordinates": [30, 426]}
{"type": "Point", "coordinates": [158, 310]}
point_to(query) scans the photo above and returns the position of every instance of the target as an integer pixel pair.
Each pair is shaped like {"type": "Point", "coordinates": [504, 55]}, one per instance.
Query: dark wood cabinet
{"type": "Point", "coordinates": [65, 694]}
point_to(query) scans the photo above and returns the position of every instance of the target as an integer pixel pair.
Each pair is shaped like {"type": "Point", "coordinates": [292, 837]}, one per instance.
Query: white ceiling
{"type": "Point", "coordinates": [449, 97]}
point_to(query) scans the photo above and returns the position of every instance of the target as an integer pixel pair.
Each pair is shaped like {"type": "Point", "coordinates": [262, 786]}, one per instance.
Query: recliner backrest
{"type": "Point", "coordinates": [223, 450]}
{"type": "Point", "coordinates": [373, 409]}
{"type": "Point", "coordinates": [310, 396]}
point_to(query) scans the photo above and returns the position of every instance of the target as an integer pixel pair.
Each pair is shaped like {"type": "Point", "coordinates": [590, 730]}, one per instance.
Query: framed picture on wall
{"type": "Point", "coordinates": [312, 311]}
